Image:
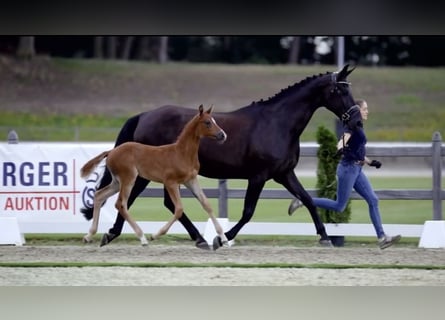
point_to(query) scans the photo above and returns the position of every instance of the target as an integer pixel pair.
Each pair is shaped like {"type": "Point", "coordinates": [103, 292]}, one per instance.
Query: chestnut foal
{"type": "Point", "coordinates": [171, 164]}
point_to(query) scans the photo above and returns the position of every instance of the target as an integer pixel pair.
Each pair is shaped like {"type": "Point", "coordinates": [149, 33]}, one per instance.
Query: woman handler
{"type": "Point", "coordinates": [352, 145]}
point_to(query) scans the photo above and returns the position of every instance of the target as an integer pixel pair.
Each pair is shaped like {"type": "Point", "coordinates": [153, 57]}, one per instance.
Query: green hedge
{"type": "Point", "coordinates": [326, 175]}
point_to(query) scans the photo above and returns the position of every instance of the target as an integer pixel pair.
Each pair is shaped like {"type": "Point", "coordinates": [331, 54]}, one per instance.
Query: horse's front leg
{"type": "Point", "coordinates": [194, 187]}
{"type": "Point", "coordinates": [254, 188]}
{"type": "Point", "coordinates": [290, 181]}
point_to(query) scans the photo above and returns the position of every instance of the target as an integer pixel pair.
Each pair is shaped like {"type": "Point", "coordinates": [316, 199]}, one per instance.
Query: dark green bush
{"type": "Point", "coordinates": [326, 175]}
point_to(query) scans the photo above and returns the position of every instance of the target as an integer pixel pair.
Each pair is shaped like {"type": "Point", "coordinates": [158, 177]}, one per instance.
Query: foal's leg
{"type": "Point", "coordinates": [188, 225]}
{"type": "Point", "coordinates": [122, 207]}
{"type": "Point", "coordinates": [193, 186]}
{"type": "Point", "coordinates": [173, 191]}
{"type": "Point", "coordinates": [116, 230]}
{"type": "Point", "coordinates": [99, 198]}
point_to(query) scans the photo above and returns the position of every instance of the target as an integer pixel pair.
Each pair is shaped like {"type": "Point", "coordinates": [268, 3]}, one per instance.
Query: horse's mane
{"type": "Point", "coordinates": [290, 89]}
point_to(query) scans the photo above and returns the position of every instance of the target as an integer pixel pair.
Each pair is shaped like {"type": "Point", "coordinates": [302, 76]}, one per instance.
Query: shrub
{"type": "Point", "coordinates": [326, 175]}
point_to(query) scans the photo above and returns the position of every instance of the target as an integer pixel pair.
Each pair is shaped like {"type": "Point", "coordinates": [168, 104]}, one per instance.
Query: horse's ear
{"type": "Point", "coordinates": [343, 74]}
{"type": "Point", "coordinates": [210, 109]}
{"type": "Point", "coordinates": [201, 109]}
{"type": "Point", "coordinates": [349, 71]}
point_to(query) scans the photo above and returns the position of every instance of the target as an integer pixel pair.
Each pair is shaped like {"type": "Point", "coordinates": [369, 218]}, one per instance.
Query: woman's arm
{"type": "Point", "coordinates": [367, 160]}
{"type": "Point", "coordinates": [343, 142]}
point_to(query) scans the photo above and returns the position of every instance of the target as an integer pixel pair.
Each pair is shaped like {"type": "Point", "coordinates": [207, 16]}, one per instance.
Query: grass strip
{"type": "Point", "coordinates": [213, 265]}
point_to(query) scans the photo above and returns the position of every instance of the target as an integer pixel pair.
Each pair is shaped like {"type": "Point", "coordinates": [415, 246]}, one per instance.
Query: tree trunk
{"type": "Point", "coordinates": [26, 48]}
{"type": "Point", "coordinates": [163, 50]}
{"type": "Point", "coordinates": [112, 47]}
{"type": "Point", "coordinates": [144, 49]}
{"type": "Point", "coordinates": [127, 47]}
{"type": "Point", "coordinates": [294, 51]}
{"type": "Point", "coordinates": [98, 47]}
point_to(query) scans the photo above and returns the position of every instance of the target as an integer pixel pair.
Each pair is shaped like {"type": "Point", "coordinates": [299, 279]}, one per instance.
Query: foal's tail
{"type": "Point", "coordinates": [126, 134]}
{"type": "Point", "coordinates": [89, 167]}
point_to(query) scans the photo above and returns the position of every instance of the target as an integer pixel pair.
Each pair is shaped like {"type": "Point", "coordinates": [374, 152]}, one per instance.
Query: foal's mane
{"type": "Point", "coordinates": [291, 89]}
{"type": "Point", "coordinates": [187, 127]}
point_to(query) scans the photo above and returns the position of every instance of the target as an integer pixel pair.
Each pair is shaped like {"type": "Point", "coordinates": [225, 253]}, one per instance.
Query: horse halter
{"type": "Point", "coordinates": [346, 115]}
{"type": "Point", "coordinates": [335, 82]}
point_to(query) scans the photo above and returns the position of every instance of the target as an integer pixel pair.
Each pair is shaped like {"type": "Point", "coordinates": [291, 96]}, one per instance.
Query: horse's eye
{"type": "Point", "coordinates": [341, 89]}
{"type": "Point", "coordinates": [208, 123]}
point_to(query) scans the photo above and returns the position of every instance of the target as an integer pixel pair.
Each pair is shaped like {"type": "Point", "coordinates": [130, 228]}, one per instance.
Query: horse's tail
{"type": "Point", "coordinates": [89, 167]}
{"type": "Point", "coordinates": [126, 134]}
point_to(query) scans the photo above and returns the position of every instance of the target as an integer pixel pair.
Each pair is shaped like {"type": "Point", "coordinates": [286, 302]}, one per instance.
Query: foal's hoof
{"type": "Point", "coordinates": [107, 238]}
{"type": "Point", "coordinates": [86, 239]}
{"type": "Point", "coordinates": [202, 244]}
{"type": "Point", "coordinates": [144, 241]}
{"type": "Point", "coordinates": [326, 243]}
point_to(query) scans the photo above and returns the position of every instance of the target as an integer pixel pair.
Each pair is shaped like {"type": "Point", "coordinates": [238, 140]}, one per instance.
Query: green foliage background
{"type": "Point", "coordinates": [326, 176]}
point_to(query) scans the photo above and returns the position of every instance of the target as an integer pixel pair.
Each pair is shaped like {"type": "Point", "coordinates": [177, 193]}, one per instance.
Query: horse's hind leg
{"type": "Point", "coordinates": [173, 191]}
{"type": "Point", "coordinates": [122, 207]}
{"type": "Point", "coordinates": [193, 186]}
{"type": "Point", "coordinates": [99, 198]}
{"type": "Point", "coordinates": [294, 186]}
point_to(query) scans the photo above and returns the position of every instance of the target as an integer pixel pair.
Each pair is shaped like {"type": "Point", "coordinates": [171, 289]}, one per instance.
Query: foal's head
{"type": "Point", "coordinates": [207, 126]}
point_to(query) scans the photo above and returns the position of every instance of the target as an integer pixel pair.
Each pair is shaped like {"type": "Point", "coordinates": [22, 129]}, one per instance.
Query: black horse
{"type": "Point", "coordinates": [263, 143]}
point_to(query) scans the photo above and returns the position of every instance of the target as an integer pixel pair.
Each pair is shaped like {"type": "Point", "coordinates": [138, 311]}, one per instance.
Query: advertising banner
{"type": "Point", "coordinates": [40, 182]}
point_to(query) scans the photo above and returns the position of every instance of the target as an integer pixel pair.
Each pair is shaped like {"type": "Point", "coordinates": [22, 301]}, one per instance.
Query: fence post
{"type": "Point", "coordinates": [222, 198]}
{"type": "Point", "coordinates": [437, 175]}
{"type": "Point", "coordinates": [13, 137]}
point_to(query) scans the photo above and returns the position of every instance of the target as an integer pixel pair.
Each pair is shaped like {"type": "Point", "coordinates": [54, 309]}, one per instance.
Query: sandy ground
{"type": "Point", "coordinates": [307, 260]}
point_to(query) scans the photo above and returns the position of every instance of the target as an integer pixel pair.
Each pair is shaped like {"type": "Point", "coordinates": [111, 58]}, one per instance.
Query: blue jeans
{"type": "Point", "coordinates": [350, 175]}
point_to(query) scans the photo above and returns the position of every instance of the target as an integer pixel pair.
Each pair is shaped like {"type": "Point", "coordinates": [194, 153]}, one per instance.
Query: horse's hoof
{"type": "Point", "coordinates": [217, 243]}
{"type": "Point", "coordinates": [326, 243]}
{"type": "Point", "coordinates": [294, 205]}
{"type": "Point", "coordinates": [202, 244]}
{"type": "Point", "coordinates": [87, 239]}
{"type": "Point", "coordinates": [107, 238]}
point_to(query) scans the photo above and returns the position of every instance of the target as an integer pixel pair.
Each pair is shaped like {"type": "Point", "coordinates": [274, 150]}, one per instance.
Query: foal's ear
{"type": "Point", "coordinates": [201, 109]}
{"type": "Point", "coordinates": [210, 109]}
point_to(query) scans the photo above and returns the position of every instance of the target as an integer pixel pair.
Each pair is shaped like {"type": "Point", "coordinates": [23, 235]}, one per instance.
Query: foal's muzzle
{"type": "Point", "coordinates": [221, 137]}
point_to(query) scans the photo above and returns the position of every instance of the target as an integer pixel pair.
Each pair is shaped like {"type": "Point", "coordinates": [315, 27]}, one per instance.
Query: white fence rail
{"type": "Point", "coordinates": [435, 151]}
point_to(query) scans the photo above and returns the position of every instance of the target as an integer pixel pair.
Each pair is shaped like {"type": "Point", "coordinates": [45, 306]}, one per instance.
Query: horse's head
{"type": "Point", "coordinates": [337, 95]}
{"type": "Point", "coordinates": [208, 127]}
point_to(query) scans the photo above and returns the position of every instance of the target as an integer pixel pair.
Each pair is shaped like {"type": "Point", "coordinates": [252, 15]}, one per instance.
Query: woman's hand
{"type": "Point", "coordinates": [375, 163]}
